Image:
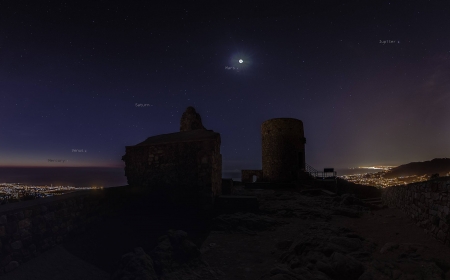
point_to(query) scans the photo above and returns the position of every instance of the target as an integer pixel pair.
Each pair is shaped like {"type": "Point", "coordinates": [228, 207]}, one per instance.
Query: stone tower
{"type": "Point", "coordinates": [190, 120]}
{"type": "Point", "coordinates": [283, 149]}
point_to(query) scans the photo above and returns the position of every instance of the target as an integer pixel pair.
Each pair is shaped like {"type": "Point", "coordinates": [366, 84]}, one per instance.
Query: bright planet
{"type": "Point", "coordinates": [240, 61]}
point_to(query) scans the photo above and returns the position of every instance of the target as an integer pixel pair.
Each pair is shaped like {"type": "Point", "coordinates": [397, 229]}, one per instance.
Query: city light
{"type": "Point", "coordinates": [378, 179]}
{"type": "Point", "coordinates": [10, 192]}
{"type": "Point", "coordinates": [380, 167]}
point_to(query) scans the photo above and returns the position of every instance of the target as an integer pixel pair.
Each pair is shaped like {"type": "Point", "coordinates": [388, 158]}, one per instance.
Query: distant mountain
{"type": "Point", "coordinates": [437, 165]}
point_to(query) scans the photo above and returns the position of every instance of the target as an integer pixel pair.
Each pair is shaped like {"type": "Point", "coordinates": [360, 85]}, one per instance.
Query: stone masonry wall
{"type": "Point", "coordinates": [283, 149]}
{"type": "Point", "coordinates": [427, 203]}
{"type": "Point", "coordinates": [29, 228]}
{"type": "Point", "coordinates": [191, 120]}
{"type": "Point", "coordinates": [247, 175]}
{"type": "Point", "coordinates": [216, 179]}
{"type": "Point", "coordinates": [193, 168]}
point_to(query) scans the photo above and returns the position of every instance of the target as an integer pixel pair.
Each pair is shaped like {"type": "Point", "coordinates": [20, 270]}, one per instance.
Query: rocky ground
{"type": "Point", "coordinates": [306, 234]}
{"type": "Point", "coordinates": [309, 235]}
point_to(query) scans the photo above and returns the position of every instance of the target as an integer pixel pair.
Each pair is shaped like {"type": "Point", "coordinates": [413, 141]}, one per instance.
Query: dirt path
{"type": "Point", "coordinates": [393, 225]}
{"type": "Point", "coordinates": [314, 242]}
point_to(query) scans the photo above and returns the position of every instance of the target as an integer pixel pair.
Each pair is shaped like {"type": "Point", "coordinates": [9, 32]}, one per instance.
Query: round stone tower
{"type": "Point", "coordinates": [283, 149]}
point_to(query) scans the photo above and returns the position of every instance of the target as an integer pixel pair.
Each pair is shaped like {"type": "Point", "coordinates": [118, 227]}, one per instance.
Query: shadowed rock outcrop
{"type": "Point", "coordinates": [174, 257]}
{"type": "Point", "coordinates": [135, 265]}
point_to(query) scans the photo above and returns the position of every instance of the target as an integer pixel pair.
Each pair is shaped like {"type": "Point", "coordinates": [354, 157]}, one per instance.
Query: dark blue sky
{"type": "Point", "coordinates": [71, 75]}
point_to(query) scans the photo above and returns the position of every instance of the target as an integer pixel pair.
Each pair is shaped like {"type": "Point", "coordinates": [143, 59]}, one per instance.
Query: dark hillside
{"type": "Point", "coordinates": [361, 191]}
{"type": "Point", "coordinates": [344, 186]}
{"type": "Point", "coordinates": [437, 165]}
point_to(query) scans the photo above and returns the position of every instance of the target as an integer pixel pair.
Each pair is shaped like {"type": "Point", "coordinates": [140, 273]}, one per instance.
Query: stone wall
{"type": "Point", "coordinates": [216, 177]}
{"type": "Point", "coordinates": [31, 227]}
{"type": "Point", "coordinates": [247, 175]}
{"type": "Point", "coordinates": [227, 186]}
{"type": "Point", "coordinates": [426, 202]}
{"type": "Point", "coordinates": [183, 170]}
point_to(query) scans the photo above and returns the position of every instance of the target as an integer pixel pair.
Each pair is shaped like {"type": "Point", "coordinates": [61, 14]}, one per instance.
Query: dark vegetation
{"type": "Point", "coordinates": [342, 186]}
{"type": "Point", "coordinates": [361, 191]}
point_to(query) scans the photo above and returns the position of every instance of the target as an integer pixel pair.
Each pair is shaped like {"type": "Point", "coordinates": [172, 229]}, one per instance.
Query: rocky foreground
{"type": "Point", "coordinates": [296, 235]}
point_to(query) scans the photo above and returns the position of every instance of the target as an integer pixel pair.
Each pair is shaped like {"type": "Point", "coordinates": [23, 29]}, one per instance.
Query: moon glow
{"type": "Point", "coordinates": [240, 60]}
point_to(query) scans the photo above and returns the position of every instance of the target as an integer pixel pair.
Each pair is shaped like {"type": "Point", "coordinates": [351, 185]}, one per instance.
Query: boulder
{"type": "Point", "coordinates": [284, 245]}
{"type": "Point", "coordinates": [162, 255]}
{"type": "Point", "coordinates": [347, 244]}
{"type": "Point", "coordinates": [243, 222]}
{"type": "Point", "coordinates": [346, 267]}
{"type": "Point", "coordinates": [173, 255]}
{"type": "Point", "coordinates": [350, 199]}
{"type": "Point", "coordinates": [390, 246]}
{"type": "Point", "coordinates": [173, 250]}
{"type": "Point", "coordinates": [135, 265]}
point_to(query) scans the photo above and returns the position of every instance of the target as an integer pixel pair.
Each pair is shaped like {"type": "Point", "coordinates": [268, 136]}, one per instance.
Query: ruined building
{"type": "Point", "coordinates": [283, 152]}
{"type": "Point", "coordinates": [186, 166]}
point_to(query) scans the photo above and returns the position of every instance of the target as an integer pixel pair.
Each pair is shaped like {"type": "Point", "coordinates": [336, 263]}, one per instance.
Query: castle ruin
{"type": "Point", "coordinates": [185, 166]}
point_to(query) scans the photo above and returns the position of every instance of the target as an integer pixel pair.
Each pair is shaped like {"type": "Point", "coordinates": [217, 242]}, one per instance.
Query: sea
{"type": "Point", "coordinates": [98, 176]}
{"type": "Point", "coordinates": [64, 176]}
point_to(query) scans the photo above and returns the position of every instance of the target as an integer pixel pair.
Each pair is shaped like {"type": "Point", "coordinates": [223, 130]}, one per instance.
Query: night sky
{"type": "Point", "coordinates": [72, 74]}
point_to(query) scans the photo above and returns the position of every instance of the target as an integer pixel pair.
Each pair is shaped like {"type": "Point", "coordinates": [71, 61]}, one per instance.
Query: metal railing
{"type": "Point", "coordinates": [319, 174]}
